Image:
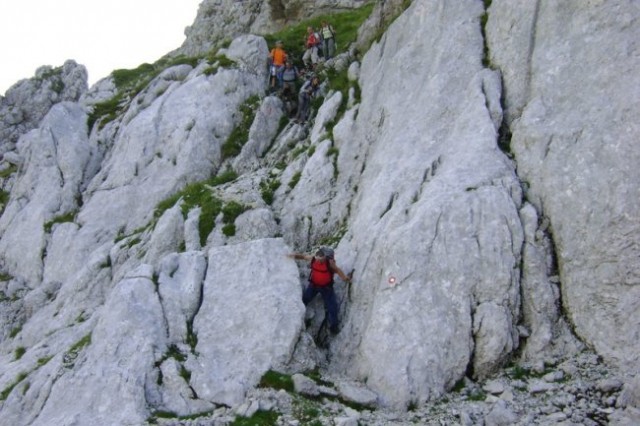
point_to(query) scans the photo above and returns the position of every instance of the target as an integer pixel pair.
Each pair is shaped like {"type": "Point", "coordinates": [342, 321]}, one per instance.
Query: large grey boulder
{"type": "Point", "coordinates": [250, 319]}
{"type": "Point", "coordinates": [571, 84]}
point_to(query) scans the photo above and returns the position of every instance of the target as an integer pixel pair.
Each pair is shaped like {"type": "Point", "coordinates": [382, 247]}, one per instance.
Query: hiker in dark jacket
{"type": "Point", "coordinates": [323, 267]}
{"type": "Point", "coordinates": [307, 91]}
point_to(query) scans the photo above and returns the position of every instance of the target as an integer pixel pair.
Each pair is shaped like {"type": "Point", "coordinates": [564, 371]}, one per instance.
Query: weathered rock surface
{"type": "Point", "coordinates": [25, 104]}
{"type": "Point", "coordinates": [433, 201]}
{"type": "Point", "coordinates": [249, 320]}
{"type": "Point", "coordinates": [571, 86]}
{"type": "Point", "coordinates": [459, 267]}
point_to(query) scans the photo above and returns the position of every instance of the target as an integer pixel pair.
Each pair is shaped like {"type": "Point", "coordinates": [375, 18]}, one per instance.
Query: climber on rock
{"type": "Point", "coordinates": [323, 266]}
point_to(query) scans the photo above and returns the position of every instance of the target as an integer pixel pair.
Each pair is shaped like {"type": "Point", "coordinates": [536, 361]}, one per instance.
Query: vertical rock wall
{"type": "Point", "coordinates": [572, 86]}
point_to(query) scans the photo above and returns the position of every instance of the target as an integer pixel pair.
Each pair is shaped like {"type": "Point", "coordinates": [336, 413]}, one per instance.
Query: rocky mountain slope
{"type": "Point", "coordinates": [478, 174]}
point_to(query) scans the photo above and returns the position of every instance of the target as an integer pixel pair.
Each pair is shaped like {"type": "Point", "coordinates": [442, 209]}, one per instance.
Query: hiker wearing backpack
{"type": "Point", "coordinates": [277, 58]}
{"type": "Point", "coordinates": [311, 45]}
{"type": "Point", "coordinates": [328, 40]}
{"type": "Point", "coordinates": [307, 91]}
{"type": "Point", "coordinates": [323, 267]}
{"type": "Point", "coordinates": [290, 76]}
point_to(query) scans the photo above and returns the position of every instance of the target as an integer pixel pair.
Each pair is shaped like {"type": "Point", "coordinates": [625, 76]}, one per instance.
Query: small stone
{"type": "Point", "coordinates": [345, 421]}
{"type": "Point", "coordinates": [554, 376]}
{"type": "Point", "coordinates": [358, 394]}
{"type": "Point", "coordinates": [500, 415]}
{"type": "Point", "coordinates": [539, 386]}
{"type": "Point", "coordinates": [304, 385]}
{"type": "Point", "coordinates": [556, 417]}
{"type": "Point", "coordinates": [507, 395]}
{"type": "Point", "coordinates": [519, 384]}
{"type": "Point", "coordinates": [609, 385]}
{"type": "Point", "coordinates": [493, 387]}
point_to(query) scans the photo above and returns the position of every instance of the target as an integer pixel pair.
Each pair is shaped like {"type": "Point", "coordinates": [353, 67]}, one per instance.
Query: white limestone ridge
{"type": "Point", "coordinates": [466, 258]}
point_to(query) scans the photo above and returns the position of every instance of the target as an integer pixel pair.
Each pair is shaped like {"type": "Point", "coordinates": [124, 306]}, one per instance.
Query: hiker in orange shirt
{"type": "Point", "coordinates": [277, 58]}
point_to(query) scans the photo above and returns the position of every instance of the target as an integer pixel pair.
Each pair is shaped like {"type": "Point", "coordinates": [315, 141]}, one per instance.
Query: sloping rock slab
{"type": "Point", "coordinates": [249, 321]}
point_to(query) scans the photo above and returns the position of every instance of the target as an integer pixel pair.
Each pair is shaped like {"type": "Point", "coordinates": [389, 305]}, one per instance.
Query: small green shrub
{"type": "Point", "coordinates": [228, 175]}
{"type": "Point", "coordinates": [268, 188]}
{"type": "Point", "coordinates": [295, 179]}
{"type": "Point", "coordinates": [229, 230]}
{"type": "Point", "coordinates": [8, 171]}
{"type": "Point", "coordinates": [477, 395]}
{"type": "Point", "coordinates": [218, 61]}
{"type": "Point", "coordinates": [66, 217]}
{"type": "Point", "coordinates": [4, 200]}
{"type": "Point", "coordinates": [260, 418]}
{"type": "Point", "coordinates": [273, 379]}
{"type": "Point", "coordinates": [231, 211]}
{"type": "Point", "coordinates": [70, 356]}
{"type": "Point", "coordinates": [239, 135]}
{"type": "Point", "coordinates": [5, 393]}
{"type": "Point", "coordinates": [19, 352]}
{"type": "Point", "coordinates": [195, 195]}
{"type": "Point", "coordinates": [14, 332]}
{"type": "Point", "coordinates": [459, 386]}
{"type": "Point", "coordinates": [44, 360]}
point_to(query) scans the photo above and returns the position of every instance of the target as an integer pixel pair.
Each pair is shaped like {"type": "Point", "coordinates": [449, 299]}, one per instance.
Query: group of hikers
{"type": "Point", "coordinates": [284, 74]}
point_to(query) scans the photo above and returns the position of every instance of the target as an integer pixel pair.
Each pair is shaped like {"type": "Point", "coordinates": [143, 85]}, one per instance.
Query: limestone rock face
{"type": "Point", "coordinates": [55, 158]}
{"type": "Point", "coordinates": [25, 104]}
{"type": "Point", "coordinates": [435, 235]}
{"type": "Point", "coordinates": [571, 88]}
{"type": "Point", "coordinates": [134, 282]}
{"type": "Point", "coordinates": [249, 321]}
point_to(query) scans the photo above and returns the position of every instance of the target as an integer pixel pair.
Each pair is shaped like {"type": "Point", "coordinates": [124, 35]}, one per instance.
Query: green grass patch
{"type": "Point", "coordinates": [44, 360]}
{"type": "Point", "coordinates": [306, 411]}
{"type": "Point", "coordinates": [8, 171]}
{"type": "Point", "coordinates": [333, 239]}
{"type": "Point", "coordinates": [231, 211]}
{"type": "Point", "coordinates": [19, 352]}
{"type": "Point", "coordinates": [227, 176]}
{"type": "Point", "coordinates": [14, 332]}
{"type": "Point", "coordinates": [5, 277]}
{"type": "Point", "coordinates": [66, 217]}
{"type": "Point", "coordinates": [477, 395]}
{"type": "Point", "coordinates": [240, 134]}
{"type": "Point", "coordinates": [130, 82]}
{"type": "Point", "coordinates": [274, 380]}
{"type": "Point", "coordinates": [6, 391]}
{"type": "Point", "coordinates": [229, 230]}
{"type": "Point", "coordinates": [195, 195]}
{"type": "Point", "coordinates": [295, 179]}
{"type": "Point", "coordinates": [70, 356]}
{"type": "Point", "coordinates": [160, 414]}
{"type": "Point", "coordinates": [4, 200]}
{"type": "Point", "coordinates": [218, 61]}
{"type": "Point", "coordinates": [459, 386]}
{"type": "Point", "coordinates": [260, 418]}
{"type": "Point", "coordinates": [268, 188]}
